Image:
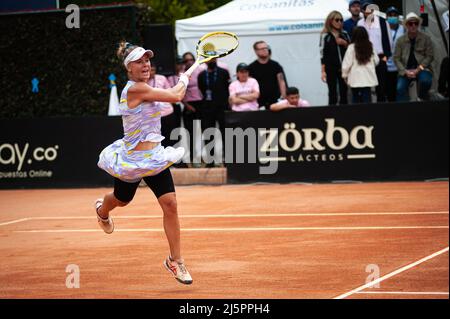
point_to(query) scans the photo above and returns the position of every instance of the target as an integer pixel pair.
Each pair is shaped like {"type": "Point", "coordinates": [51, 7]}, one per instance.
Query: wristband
{"type": "Point", "coordinates": [184, 79]}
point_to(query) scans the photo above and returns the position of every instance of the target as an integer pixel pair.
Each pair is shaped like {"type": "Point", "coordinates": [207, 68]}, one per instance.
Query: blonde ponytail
{"type": "Point", "coordinates": [121, 50]}
{"type": "Point", "coordinates": [124, 49]}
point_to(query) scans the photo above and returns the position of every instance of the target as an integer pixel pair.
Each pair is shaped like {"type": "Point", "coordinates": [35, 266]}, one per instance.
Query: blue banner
{"type": "Point", "coordinates": [26, 5]}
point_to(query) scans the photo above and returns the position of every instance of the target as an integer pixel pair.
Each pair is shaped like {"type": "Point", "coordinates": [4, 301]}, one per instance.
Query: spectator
{"type": "Point", "coordinates": [244, 92]}
{"type": "Point", "coordinates": [220, 64]}
{"type": "Point", "coordinates": [292, 100]}
{"type": "Point", "coordinates": [397, 30]}
{"type": "Point", "coordinates": [334, 41]}
{"type": "Point", "coordinates": [269, 74]}
{"type": "Point", "coordinates": [354, 6]}
{"type": "Point", "coordinates": [359, 66]}
{"type": "Point", "coordinates": [381, 39]}
{"type": "Point", "coordinates": [413, 57]}
{"type": "Point", "coordinates": [213, 83]}
{"type": "Point", "coordinates": [192, 102]}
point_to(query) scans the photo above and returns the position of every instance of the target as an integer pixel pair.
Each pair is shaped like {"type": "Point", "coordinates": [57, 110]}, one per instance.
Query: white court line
{"type": "Point", "coordinates": [14, 221]}
{"type": "Point", "coordinates": [360, 156]}
{"type": "Point", "coordinates": [272, 159]}
{"type": "Point", "coordinates": [391, 274]}
{"type": "Point", "coordinates": [401, 293]}
{"type": "Point", "coordinates": [244, 215]}
{"type": "Point", "coordinates": [228, 216]}
{"type": "Point", "coordinates": [232, 229]}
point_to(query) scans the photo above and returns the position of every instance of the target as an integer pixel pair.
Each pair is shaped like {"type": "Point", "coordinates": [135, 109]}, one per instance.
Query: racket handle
{"type": "Point", "coordinates": [192, 68]}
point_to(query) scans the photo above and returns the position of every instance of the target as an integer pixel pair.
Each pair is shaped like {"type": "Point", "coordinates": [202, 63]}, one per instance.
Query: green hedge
{"type": "Point", "coordinates": [72, 65]}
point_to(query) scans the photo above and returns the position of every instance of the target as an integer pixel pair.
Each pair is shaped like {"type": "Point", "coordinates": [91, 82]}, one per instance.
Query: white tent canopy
{"type": "Point", "coordinates": [291, 28]}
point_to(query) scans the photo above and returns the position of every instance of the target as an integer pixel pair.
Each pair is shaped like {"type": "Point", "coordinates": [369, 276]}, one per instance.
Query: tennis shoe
{"type": "Point", "coordinates": [178, 270]}
{"type": "Point", "coordinates": [106, 224]}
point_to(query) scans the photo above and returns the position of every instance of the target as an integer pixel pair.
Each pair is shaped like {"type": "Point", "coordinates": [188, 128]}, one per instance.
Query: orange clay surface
{"type": "Point", "coordinates": [239, 241]}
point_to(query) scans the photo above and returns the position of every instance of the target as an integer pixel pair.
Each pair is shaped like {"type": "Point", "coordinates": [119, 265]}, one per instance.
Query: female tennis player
{"type": "Point", "coordinates": [139, 154]}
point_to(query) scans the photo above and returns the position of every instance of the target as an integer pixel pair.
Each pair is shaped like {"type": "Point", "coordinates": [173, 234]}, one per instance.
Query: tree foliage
{"type": "Point", "coordinates": [168, 11]}
{"type": "Point", "coordinates": [158, 11]}
{"type": "Point", "coordinates": [73, 65]}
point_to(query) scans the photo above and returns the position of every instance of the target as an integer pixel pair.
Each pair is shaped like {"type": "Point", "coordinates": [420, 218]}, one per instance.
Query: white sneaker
{"type": "Point", "coordinates": [106, 224]}
{"type": "Point", "coordinates": [178, 270]}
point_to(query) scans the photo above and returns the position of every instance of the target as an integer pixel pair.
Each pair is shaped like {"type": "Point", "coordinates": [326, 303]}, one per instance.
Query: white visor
{"type": "Point", "coordinates": [136, 54]}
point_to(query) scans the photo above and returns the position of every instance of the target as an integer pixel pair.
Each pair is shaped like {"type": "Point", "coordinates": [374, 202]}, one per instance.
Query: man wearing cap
{"type": "Point", "coordinates": [381, 39]}
{"type": "Point", "coordinates": [413, 57]}
{"type": "Point", "coordinates": [244, 92]}
{"type": "Point", "coordinates": [397, 30]}
{"type": "Point", "coordinates": [354, 6]}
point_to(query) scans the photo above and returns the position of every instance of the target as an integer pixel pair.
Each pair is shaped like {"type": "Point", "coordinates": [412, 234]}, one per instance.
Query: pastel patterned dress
{"type": "Point", "coordinates": [142, 123]}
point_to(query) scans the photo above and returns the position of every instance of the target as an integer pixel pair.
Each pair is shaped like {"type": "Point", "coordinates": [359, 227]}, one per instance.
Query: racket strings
{"type": "Point", "coordinates": [217, 44]}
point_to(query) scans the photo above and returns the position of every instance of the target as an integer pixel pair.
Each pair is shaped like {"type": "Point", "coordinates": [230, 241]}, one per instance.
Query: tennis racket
{"type": "Point", "coordinates": [213, 45]}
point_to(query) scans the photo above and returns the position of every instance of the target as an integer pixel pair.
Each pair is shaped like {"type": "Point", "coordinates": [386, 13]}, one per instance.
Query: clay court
{"type": "Point", "coordinates": [239, 241]}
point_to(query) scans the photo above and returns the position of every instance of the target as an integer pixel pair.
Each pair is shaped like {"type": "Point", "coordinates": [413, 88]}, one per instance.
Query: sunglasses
{"type": "Point", "coordinates": [339, 20]}
{"type": "Point", "coordinates": [410, 24]}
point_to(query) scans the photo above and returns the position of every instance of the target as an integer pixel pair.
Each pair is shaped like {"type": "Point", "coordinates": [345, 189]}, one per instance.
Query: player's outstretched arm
{"type": "Point", "coordinates": [143, 92]}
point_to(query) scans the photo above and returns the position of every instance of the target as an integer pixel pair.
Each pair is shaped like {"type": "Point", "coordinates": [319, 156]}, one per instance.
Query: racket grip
{"type": "Point", "coordinates": [192, 68]}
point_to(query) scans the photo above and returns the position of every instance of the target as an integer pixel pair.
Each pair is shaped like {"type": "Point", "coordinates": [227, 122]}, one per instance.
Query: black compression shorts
{"type": "Point", "coordinates": [160, 184]}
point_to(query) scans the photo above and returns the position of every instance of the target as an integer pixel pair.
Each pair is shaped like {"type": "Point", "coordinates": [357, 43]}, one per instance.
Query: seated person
{"type": "Point", "coordinates": [244, 92]}
{"type": "Point", "coordinates": [413, 56]}
{"type": "Point", "coordinates": [292, 100]}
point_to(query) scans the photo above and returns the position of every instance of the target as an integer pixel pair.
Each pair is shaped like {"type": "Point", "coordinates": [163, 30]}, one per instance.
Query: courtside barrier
{"type": "Point", "coordinates": [374, 142]}
{"type": "Point", "coordinates": [55, 152]}
{"type": "Point", "coordinates": [380, 142]}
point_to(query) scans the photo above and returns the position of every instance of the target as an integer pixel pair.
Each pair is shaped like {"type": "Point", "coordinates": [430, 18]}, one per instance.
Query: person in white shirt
{"type": "Point", "coordinates": [244, 92]}
{"type": "Point", "coordinates": [381, 38]}
{"type": "Point", "coordinates": [358, 67]}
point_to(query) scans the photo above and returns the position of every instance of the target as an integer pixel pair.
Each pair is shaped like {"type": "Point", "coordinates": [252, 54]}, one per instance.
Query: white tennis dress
{"type": "Point", "coordinates": [142, 123]}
